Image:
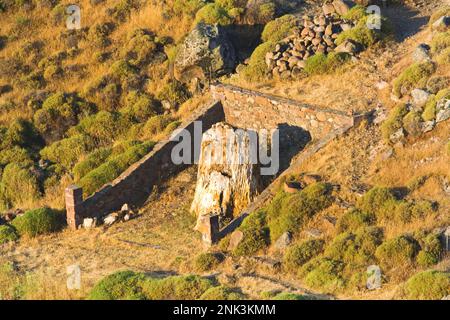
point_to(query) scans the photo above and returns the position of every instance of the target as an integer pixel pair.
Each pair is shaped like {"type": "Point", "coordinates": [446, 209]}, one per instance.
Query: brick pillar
{"type": "Point", "coordinates": [210, 229]}
{"type": "Point", "coordinates": [74, 201]}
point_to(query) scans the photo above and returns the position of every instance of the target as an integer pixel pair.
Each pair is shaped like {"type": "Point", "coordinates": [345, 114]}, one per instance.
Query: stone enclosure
{"type": "Point", "coordinates": [303, 130]}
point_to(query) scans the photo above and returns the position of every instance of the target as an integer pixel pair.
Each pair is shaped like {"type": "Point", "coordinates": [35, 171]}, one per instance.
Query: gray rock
{"type": "Point", "coordinates": [443, 110]}
{"type": "Point", "coordinates": [89, 223]}
{"type": "Point", "coordinates": [397, 136]}
{"type": "Point", "coordinates": [427, 126]}
{"type": "Point", "coordinates": [419, 97]}
{"type": "Point", "coordinates": [207, 49]}
{"type": "Point", "coordinates": [441, 24]}
{"type": "Point", "coordinates": [421, 53]}
{"type": "Point", "coordinates": [284, 241]}
{"type": "Point", "coordinates": [110, 219]}
{"type": "Point", "coordinates": [348, 46]}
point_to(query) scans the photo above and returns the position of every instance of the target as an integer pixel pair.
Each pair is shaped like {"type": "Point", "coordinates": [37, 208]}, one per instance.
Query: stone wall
{"type": "Point", "coordinates": [136, 183]}
{"type": "Point", "coordinates": [249, 109]}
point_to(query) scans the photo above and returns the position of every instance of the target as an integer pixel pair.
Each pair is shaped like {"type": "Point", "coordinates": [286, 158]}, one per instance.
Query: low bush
{"type": "Point", "coordinates": [411, 123]}
{"type": "Point", "coordinates": [7, 234]}
{"type": "Point", "coordinates": [176, 287]}
{"type": "Point", "coordinates": [38, 221]}
{"type": "Point", "coordinates": [290, 296]}
{"type": "Point", "coordinates": [140, 106]}
{"type": "Point", "coordinates": [440, 42]}
{"type": "Point", "coordinates": [123, 285]}
{"type": "Point", "coordinates": [298, 254]}
{"type": "Point", "coordinates": [212, 13]}
{"type": "Point", "coordinates": [394, 122]}
{"type": "Point", "coordinates": [92, 161]}
{"type": "Point", "coordinates": [257, 67]}
{"type": "Point", "coordinates": [431, 251]}
{"type": "Point", "coordinates": [325, 275]}
{"type": "Point", "coordinates": [187, 7]}
{"type": "Point", "coordinates": [222, 293]}
{"type": "Point", "coordinates": [207, 261]}
{"type": "Point", "coordinates": [280, 28]}
{"type": "Point", "coordinates": [412, 77]}
{"type": "Point", "coordinates": [111, 169]}
{"type": "Point", "coordinates": [256, 234]}
{"type": "Point", "coordinates": [429, 112]}
{"type": "Point", "coordinates": [354, 219]}
{"type": "Point", "coordinates": [16, 155]}
{"type": "Point", "coordinates": [428, 285]}
{"type": "Point", "coordinates": [295, 209]}
{"type": "Point", "coordinates": [325, 64]}
{"type": "Point", "coordinates": [444, 57]}
{"type": "Point", "coordinates": [18, 187]}
{"type": "Point", "coordinates": [141, 48]}
{"type": "Point", "coordinates": [175, 92]}
{"type": "Point", "coordinates": [397, 253]}
{"type": "Point", "coordinates": [438, 83]}
{"type": "Point", "coordinates": [20, 133]}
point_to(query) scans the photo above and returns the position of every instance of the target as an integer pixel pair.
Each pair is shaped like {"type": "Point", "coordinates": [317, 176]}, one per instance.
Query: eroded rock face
{"type": "Point", "coordinates": [228, 180]}
{"type": "Point", "coordinates": [205, 52]}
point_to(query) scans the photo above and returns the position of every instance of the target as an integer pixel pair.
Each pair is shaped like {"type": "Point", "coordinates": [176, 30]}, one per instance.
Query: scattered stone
{"type": "Point", "coordinates": [313, 233]}
{"type": "Point", "coordinates": [328, 9]}
{"type": "Point", "coordinates": [374, 277]}
{"type": "Point", "coordinates": [381, 85]}
{"type": "Point", "coordinates": [125, 207]}
{"type": "Point", "coordinates": [427, 126]}
{"type": "Point", "coordinates": [89, 223]}
{"type": "Point", "coordinates": [340, 7]}
{"type": "Point", "coordinates": [397, 136]}
{"type": "Point", "coordinates": [110, 219]}
{"type": "Point", "coordinates": [235, 239]}
{"type": "Point", "coordinates": [443, 110]}
{"type": "Point", "coordinates": [441, 24]}
{"type": "Point", "coordinates": [284, 241]}
{"type": "Point", "coordinates": [421, 53]}
{"type": "Point", "coordinates": [419, 98]}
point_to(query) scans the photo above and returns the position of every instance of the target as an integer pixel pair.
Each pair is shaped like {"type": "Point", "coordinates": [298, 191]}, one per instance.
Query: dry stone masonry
{"type": "Point", "coordinates": [315, 35]}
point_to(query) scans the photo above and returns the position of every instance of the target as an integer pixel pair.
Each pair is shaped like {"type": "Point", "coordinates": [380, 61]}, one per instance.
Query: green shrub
{"type": "Point", "coordinates": [325, 275]}
{"type": "Point", "coordinates": [431, 251]}
{"type": "Point", "coordinates": [438, 83]}
{"type": "Point", "coordinates": [187, 7]}
{"type": "Point", "coordinates": [256, 234]}
{"type": "Point", "coordinates": [123, 285]}
{"type": "Point", "coordinates": [353, 219]}
{"type": "Point", "coordinates": [430, 108]}
{"type": "Point", "coordinates": [290, 296]}
{"type": "Point", "coordinates": [176, 288]}
{"type": "Point", "coordinates": [122, 69]}
{"type": "Point", "coordinates": [67, 152]}
{"type": "Point", "coordinates": [38, 221]}
{"type": "Point", "coordinates": [111, 169]}
{"type": "Point", "coordinates": [156, 125]}
{"type": "Point", "coordinates": [213, 13]}
{"type": "Point", "coordinates": [17, 155]}
{"type": "Point", "coordinates": [440, 42]}
{"type": "Point", "coordinates": [397, 252]}
{"type": "Point", "coordinates": [7, 234]}
{"type": "Point", "coordinates": [377, 200]}
{"type": "Point", "coordinates": [395, 120]}
{"type": "Point", "coordinates": [140, 106]}
{"type": "Point", "coordinates": [122, 10]}
{"type": "Point", "coordinates": [59, 112]}
{"type": "Point", "coordinates": [323, 64]}
{"type": "Point", "coordinates": [257, 67]}
{"type": "Point", "coordinates": [222, 293]}
{"type": "Point", "coordinates": [428, 285]}
{"type": "Point", "coordinates": [175, 92]}
{"type": "Point", "coordinates": [280, 28]}
{"type": "Point", "coordinates": [141, 48]}
{"type": "Point", "coordinates": [206, 261]}
{"type": "Point", "coordinates": [92, 161]}
{"type": "Point", "coordinates": [301, 253]}
{"type": "Point", "coordinates": [20, 133]}
{"type": "Point", "coordinates": [355, 14]}
{"type": "Point", "coordinates": [406, 212]}
{"type": "Point", "coordinates": [18, 186]}
{"type": "Point", "coordinates": [297, 208]}
{"type": "Point", "coordinates": [415, 75]}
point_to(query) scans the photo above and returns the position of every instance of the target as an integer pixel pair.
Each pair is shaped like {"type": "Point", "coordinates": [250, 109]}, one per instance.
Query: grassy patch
{"type": "Point", "coordinates": [206, 261]}
{"type": "Point", "coordinates": [38, 221]}
{"type": "Point", "coordinates": [299, 254]}
{"type": "Point", "coordinates": [414, 76]}
{"type": "Point", "coordinates": [325, 64]}
{"type": "Point", "coordinates": [397, 253]}
{"type": "Point", "coordinates": [7, 234]}
{"type": "Point", "coordinates": [428, 285]}
{"type": "Point", "coordinates": [394, 122]}
{"type": "Point", "coordinates": [256, 234]}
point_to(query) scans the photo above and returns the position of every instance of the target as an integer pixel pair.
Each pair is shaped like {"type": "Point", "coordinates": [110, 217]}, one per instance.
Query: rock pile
{"type": "Point", "coordinates": [315, 35]}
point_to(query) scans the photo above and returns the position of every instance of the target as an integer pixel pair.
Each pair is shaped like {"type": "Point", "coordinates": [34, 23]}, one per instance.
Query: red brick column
{"type": "Point", "coordinates": [74, 206]}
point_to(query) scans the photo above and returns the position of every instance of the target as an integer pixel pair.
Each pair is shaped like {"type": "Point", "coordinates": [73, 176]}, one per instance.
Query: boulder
{"type": "Point", "coordinates": [348, 46]}
{"type": "Point", "coordinates": [328, 9]}
{"type": "Point", "coordinates": [206, 51]}
{"type": "Point", "coordinates": [89, 223]}
{"type": "Point", "coordinates": [421, 53]}
{"type": "Point", "coordinates": [419, 97]}
{"type": "Point", "coordinates": [427, 126]}
{"type": "Point", "coordinates": [442, 24]}
{"type": "Point", "coordinates": [284, 241]}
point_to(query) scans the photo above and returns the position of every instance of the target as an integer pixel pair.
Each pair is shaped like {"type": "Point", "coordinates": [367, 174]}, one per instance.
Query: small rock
{"type": "Point", "coordinates": [292, 187]}
{"type": "Point", "coordinates": [341, 7]}
{"type": "Point", "coordinates": [421, 53]}
{"type": "Point", "coordinates": [89, 223]}
{"type": "Point", "coordinates": [284, 241]}
{"type": "Point", "coordinates": [110, 219]}
{"type": "Point", "coordinates": [313, 233]}
{"type": "Point", "coordinates": [397, 136]}
{"type": "Point", "coordinates": [235, 239]}
{"type": "Point", "coordinates": [427, 126]}
{"type": "Point", "coordinates": [441, 24]}
{"type": "Point", "coordinates": [419, 97]}
{"type": "Point", "coordinates": [328, 9]}
{"type": "Point", "coordinates": [381, 85]}
{"type": "Point", "coordinates": [348, 46]}
{"type": "Point", "coordinates": [442, 110]}
{"type": "Point", "coordinates": [125, 207]}
{"type": "Point", "coordinates": [387, 154]}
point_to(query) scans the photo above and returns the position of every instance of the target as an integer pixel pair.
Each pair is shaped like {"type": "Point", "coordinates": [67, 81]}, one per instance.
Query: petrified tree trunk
{"type": "Point", "coordinates": [228, 173]}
